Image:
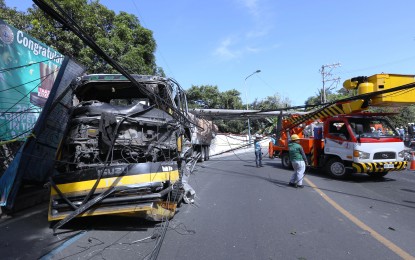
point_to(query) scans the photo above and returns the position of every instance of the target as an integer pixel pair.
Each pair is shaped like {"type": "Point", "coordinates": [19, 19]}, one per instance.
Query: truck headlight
{"type": "Point", "coordinates": [361, 155]}
{"type": "Point", "coordinates": [402, 154]}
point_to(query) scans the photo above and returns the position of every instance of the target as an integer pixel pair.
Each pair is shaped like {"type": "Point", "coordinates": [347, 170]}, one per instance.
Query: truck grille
{"type": "Point", "coordinates": [384, 156]}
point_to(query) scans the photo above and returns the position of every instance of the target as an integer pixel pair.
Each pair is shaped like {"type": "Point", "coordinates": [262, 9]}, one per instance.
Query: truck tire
{"type": "Point", "coordinates": [336, 169]}
{"type": "Point", "coordinates": [202, 154]}
{"type": "Point", "coordinates": [207, 153]}
{"type": "Point", "coordinates": [285, 161]}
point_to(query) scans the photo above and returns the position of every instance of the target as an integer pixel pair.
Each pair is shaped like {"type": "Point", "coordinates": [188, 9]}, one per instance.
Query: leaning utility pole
{"type": "Point", "coordinates": [327, 76]}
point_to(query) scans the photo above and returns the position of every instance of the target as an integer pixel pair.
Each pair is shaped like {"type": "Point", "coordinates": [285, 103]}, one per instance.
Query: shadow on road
{"type": "Point", "coordinates": [107, 222]}
{"type": "Point", "coordinates": [353, 179]}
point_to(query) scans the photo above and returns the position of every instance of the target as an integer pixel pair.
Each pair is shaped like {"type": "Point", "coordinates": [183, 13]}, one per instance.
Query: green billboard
{"type": "Point", "coordinates": [28, 69]}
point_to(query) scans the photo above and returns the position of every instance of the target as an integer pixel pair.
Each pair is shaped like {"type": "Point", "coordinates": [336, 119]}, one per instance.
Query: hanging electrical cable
{"type": "Point", "coordinates": [62, 17]}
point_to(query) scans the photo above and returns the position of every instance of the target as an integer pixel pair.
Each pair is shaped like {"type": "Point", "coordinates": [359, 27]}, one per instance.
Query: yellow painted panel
{"type": "Point", "coordinates": [117, 181]}
{"type": "Point", "coordinates": [389, 81]}
{"type": "Point", "coordinates": [354, 106]}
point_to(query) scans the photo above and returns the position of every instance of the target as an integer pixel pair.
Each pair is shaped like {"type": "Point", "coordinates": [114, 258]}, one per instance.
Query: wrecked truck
{"type": "Point", "coordinates": [121, 153]}
{"type": "Point", "coordinates": [202, 133]}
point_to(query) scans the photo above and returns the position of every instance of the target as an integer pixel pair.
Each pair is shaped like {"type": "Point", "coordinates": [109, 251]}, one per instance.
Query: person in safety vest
{"type": "Point", "coordinates": [298, 161]}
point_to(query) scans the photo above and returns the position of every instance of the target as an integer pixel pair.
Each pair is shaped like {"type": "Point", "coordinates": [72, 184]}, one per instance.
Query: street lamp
{"type": "Point", "coordinates": [246, 98]}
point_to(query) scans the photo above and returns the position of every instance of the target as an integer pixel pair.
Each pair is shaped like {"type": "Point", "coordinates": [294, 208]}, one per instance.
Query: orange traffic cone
{"type": "Point", "coordinates": [412, 168]}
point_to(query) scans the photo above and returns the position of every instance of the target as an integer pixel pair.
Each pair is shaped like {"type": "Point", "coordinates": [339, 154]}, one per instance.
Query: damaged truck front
{"type": "Point", "coordinates": [121, 154]}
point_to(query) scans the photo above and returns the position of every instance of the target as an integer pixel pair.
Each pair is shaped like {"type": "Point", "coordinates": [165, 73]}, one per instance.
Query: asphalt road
{"type": "Point", "coordinates": [241, 212]}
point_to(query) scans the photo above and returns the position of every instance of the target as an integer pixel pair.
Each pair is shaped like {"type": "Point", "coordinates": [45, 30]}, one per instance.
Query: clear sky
{"type": "Point", "coordinates": [221, 42]}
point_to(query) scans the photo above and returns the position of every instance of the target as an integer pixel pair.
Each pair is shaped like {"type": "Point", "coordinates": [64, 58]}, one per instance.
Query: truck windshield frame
{"type": "Point", "coordinates": [372, 128]}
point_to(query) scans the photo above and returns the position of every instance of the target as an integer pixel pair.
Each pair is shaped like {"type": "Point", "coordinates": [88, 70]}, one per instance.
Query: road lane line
{"type": "Point", "coordinates": [389, 244]}
{"type": "Point", "coordinates": [64, 245]}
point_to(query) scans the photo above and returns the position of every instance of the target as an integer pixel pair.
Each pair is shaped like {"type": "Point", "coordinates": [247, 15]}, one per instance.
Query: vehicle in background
{"type": "Point", "coordinates": [341, 139]}
{"type": "Point", "coordinates": [202, 134]}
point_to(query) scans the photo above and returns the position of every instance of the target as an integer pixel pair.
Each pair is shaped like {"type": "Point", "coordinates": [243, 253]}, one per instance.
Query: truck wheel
{"type": "Point", "coordinates": [377, 175]}
{"type": "Point", "coordinates": [336, 169]}
{"type": "Point", "coordinates": [207, 154]}
{"type": "Point", "coordinates": [285, 161]}
{"type": "Point", "coordinates": [202, 154]}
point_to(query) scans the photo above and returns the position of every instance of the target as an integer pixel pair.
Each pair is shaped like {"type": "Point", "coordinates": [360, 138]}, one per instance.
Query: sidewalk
{"type": "Point", "coordinates": [224, 143]}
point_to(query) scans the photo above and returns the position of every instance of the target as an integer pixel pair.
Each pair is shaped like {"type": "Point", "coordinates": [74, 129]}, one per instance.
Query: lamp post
{"type": "Point", "coordinates": [246, 98]}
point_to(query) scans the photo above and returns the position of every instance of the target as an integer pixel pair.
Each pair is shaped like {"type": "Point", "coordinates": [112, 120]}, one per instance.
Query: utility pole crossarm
{"type": "Point", "coordinates": [327, 74]}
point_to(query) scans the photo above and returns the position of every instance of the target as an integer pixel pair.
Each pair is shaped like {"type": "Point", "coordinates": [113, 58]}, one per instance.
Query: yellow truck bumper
{"type": "Point", "coordinates": [379, 167]}
{"type": "Point", "coordinates": [142, 190]}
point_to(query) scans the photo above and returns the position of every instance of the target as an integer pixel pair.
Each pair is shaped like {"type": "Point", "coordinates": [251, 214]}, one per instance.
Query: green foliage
{"type": "Point", "coordinates": [271, 103]}
{"type": "Point", "coordinates": [267, 125]}
{"type": "Point", "coordinates": [207, 96]}
{"type": "Point", "coordinates": [232, 126]}
{"type": "Point", "coordinates": [231, 99]}
{"type": "Point", "coordinates": [12, 16]}
{"type": "Point", "coordinates": [401, 115]}
{"type": "Point", "coordinates": [330, 96]}
{"type": "Point", "coordinates": [210, 95]}
{"type": "Point", "coordinates": [271, 125]}
{"type": "Point", "coordinates": [120, 35]}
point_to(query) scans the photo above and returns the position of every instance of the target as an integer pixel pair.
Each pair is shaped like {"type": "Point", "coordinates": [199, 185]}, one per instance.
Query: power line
{"type": "Point", "coordinates": [161, 54]}
{"type": "Point", "coordinates": [328, 77]}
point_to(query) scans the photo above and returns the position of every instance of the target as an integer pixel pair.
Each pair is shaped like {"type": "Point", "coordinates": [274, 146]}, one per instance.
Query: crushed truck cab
{"type": "Point", "coordinates": [121, 152]}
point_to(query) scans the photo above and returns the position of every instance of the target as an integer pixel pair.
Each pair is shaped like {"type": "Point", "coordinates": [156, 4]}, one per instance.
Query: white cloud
{"type": "Point", "coordinates": [262, 23]}
{"type": "Point", "coordinates": [225, 51]}
{"type": "Point", "coordinates": [252, 6]}
{"type": "Point", "coordinates": [252, 49]}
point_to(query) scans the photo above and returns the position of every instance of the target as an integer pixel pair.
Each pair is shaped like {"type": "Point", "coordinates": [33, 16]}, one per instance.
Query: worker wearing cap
{"type": "Point", "coordinates": [258, 152]}
{"type": "Point", "coordinates": [298, 161]}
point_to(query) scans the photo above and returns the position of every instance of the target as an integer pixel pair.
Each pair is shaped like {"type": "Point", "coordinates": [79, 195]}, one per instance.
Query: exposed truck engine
{"type": "Point", "coordinates": [120, 153]}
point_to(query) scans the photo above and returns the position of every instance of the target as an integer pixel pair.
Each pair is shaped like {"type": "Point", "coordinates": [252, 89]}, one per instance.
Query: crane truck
{"type": "Point", "coordinates": [342, 138]}
{"type": "Point", "coordinates": [122, 153]}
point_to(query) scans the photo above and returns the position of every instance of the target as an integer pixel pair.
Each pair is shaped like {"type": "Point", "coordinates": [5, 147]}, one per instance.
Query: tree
{"type": "Point", "coordinates": [120, 35]}
{"type": "Point", "coordinates": [12, 16]}
{"type": "Point", "coordinates": [271, 103]}
{"type": "Point", "coordinates": [231, 99]}
{"type": "Point", "coordinates": [330, 96]}
{"type": "Point", "coordinates": [266, 125]}
{"type": "Point", "coordinates": [207, 95]}
{"type": "Point", "coordinates": [401, 115]}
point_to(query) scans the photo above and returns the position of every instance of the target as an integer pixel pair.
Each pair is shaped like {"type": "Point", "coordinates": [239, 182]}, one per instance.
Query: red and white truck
{"type": "Point", "coordinates": [342, 139]}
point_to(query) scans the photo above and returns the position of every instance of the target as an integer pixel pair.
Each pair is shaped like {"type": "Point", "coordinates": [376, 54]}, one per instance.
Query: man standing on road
{"type": "Point", "coordinates": [258, 152]}
{"type": "Point", "coordinates": [298, 161]}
